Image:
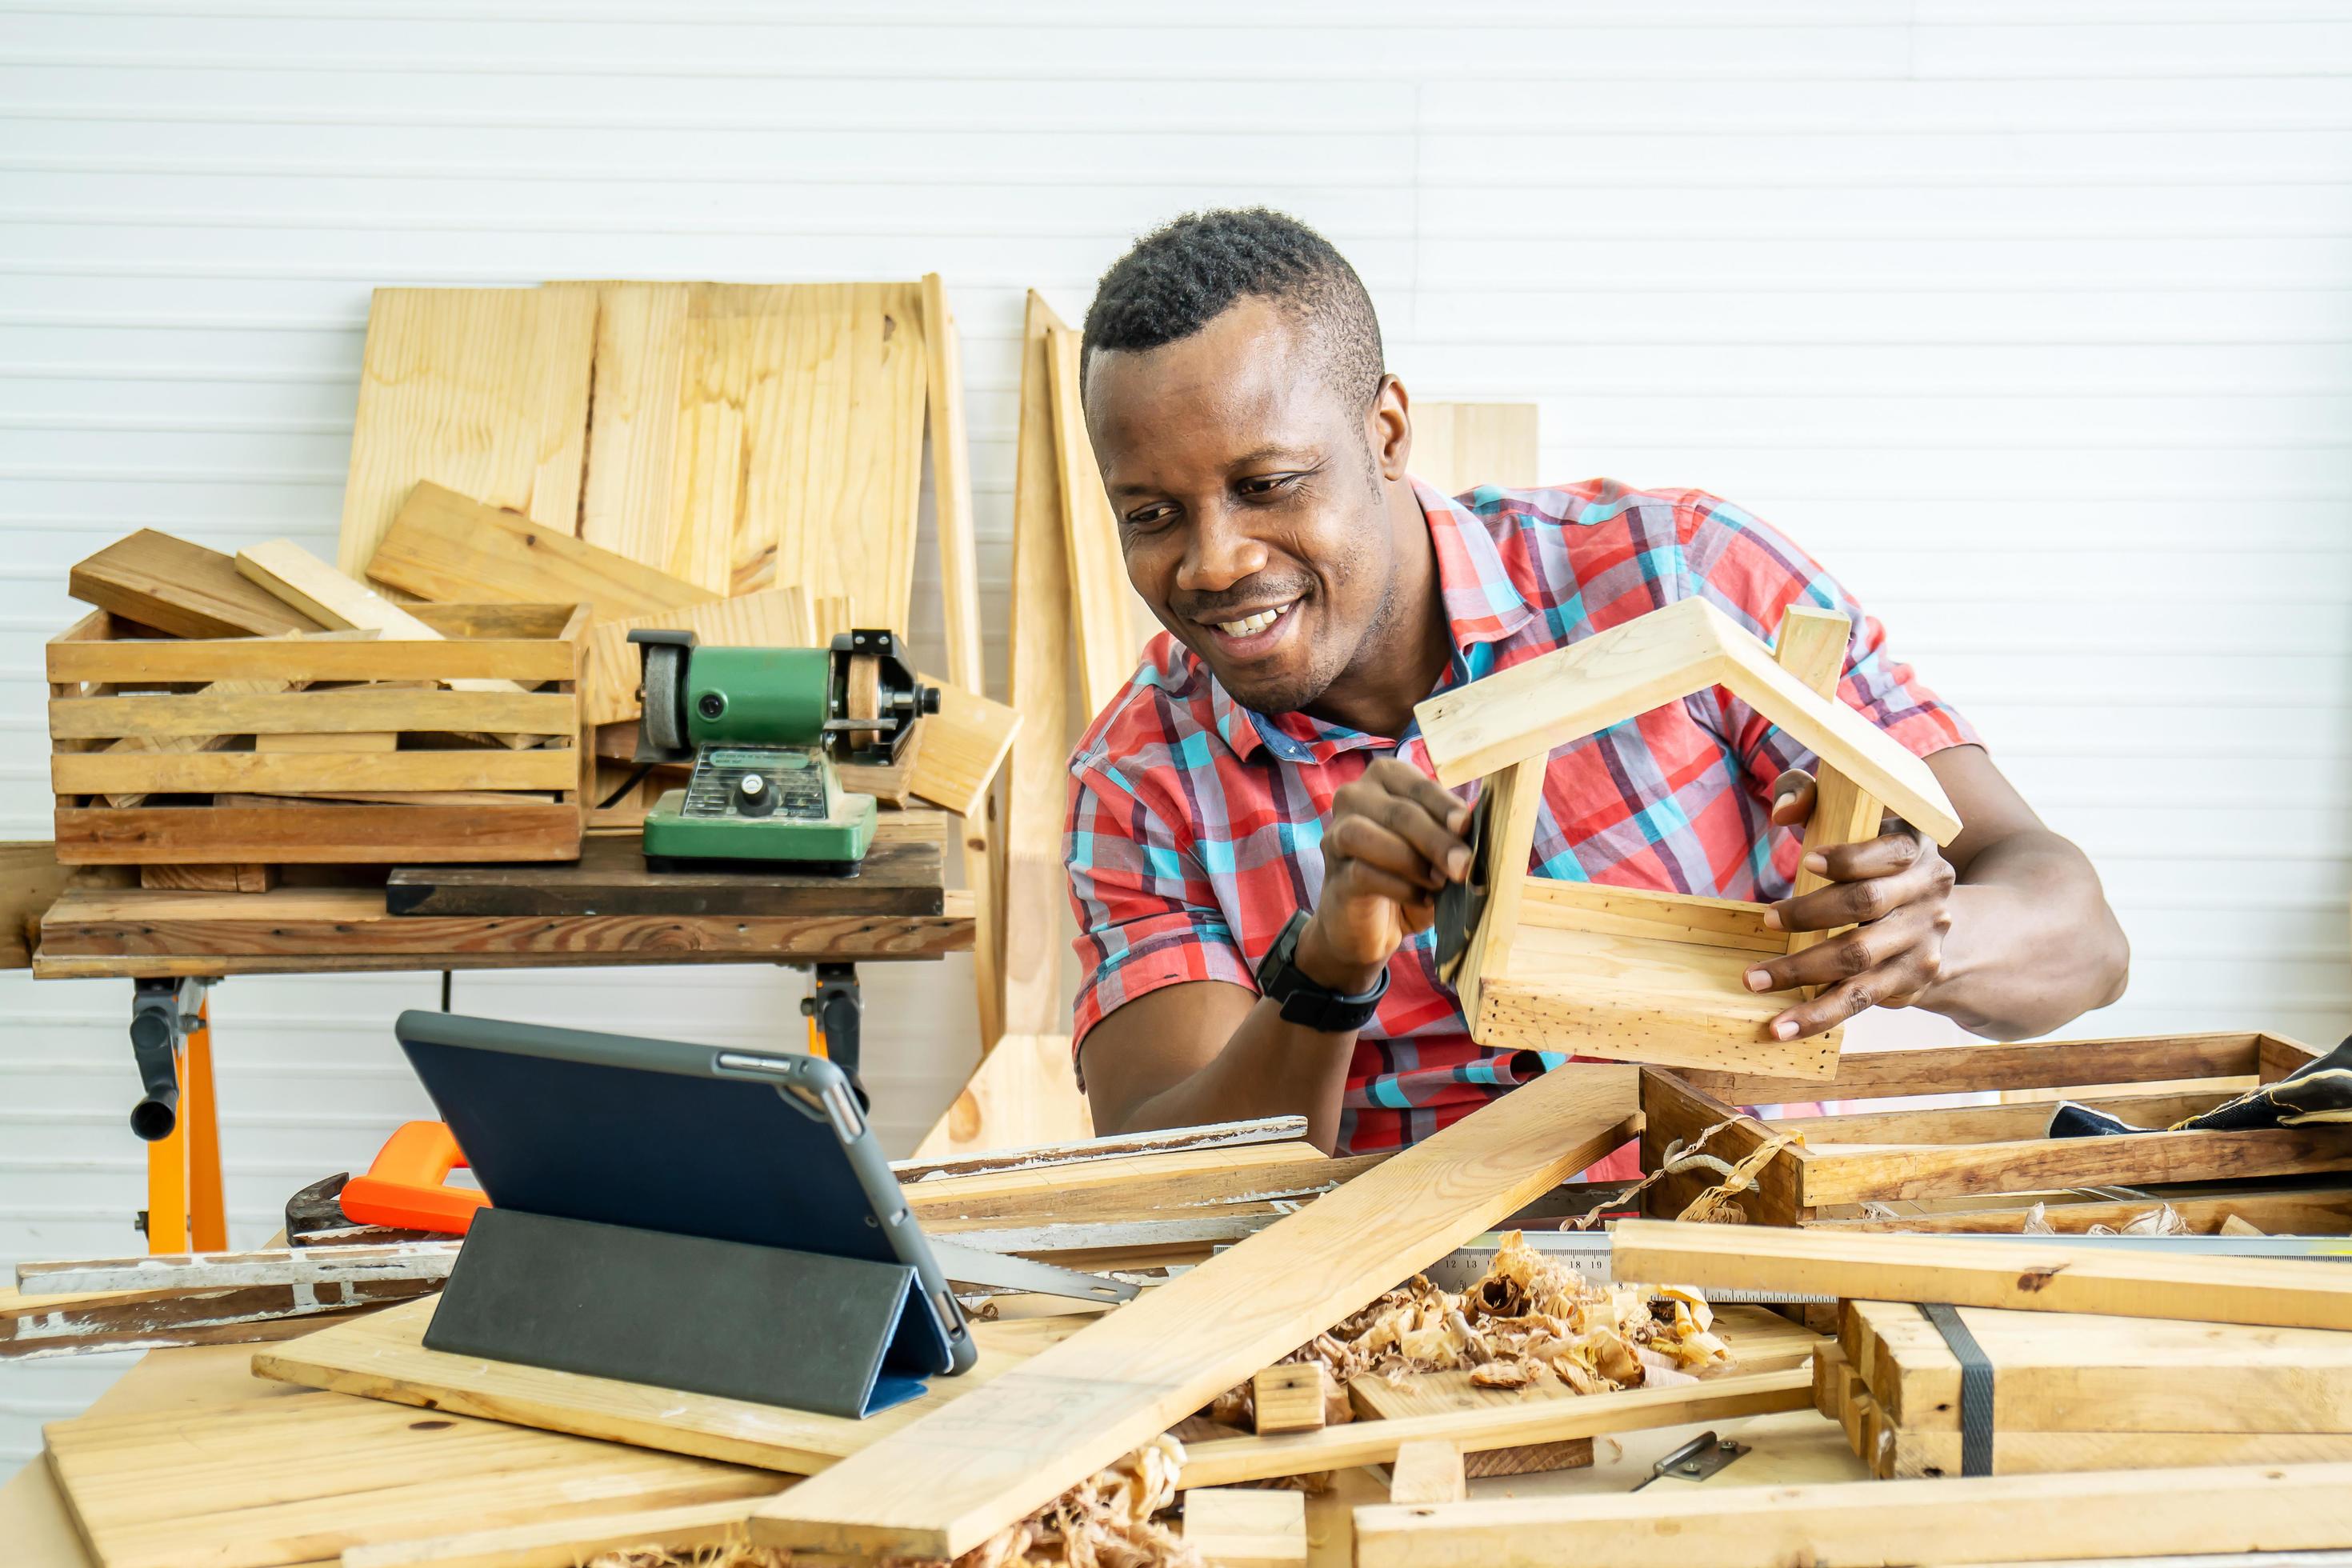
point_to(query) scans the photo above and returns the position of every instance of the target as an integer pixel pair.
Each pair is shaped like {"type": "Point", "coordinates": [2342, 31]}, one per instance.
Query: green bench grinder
{"type": "Point", "coordinates": [764, 727]}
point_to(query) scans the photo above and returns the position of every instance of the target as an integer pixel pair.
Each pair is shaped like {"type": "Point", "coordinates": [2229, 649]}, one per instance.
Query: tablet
{"type": "Point", "coordinates": [767, 1147]}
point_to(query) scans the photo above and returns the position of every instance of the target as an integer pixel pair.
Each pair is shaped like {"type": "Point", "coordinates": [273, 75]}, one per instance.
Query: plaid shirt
{"type": "Point", "coordinates": [1195, 825]}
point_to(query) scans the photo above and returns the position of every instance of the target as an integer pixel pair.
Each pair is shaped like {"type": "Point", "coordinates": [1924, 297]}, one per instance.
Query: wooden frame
{"type": "Point", "coordinates": [108, 683]}
{"type": "Point", "coordinates": [1644, 975]}
{"type": "Point", "coordinates": [1835, 1163]}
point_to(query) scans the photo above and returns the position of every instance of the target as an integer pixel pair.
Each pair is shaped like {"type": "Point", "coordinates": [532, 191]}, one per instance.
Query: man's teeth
{"type": "Point", "coordinates": [1254, 624]}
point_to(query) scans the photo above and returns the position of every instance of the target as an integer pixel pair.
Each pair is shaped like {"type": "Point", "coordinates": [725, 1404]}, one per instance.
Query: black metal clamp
{"type": "Point", "coordinates": [163, 1012]}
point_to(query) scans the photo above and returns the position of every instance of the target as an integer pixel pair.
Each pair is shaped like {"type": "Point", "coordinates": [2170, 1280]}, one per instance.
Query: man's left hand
{"type": "Point", "coordinates": [1895, 890]}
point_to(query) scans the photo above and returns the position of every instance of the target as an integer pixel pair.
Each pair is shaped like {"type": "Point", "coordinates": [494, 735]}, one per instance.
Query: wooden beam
{"type": "Point", "coordinates": [1226, 1460]}
{"type": "Point", "coordinates": [483, 390]}
{"type": "Point", "coordinates": [2143, 1513]}
{"type": "Point", "coordinates": [184, 589]}
{"type": "Point", "coordinates": [952, 1480]}
{"type": "Point", "coordinates": [1036, 882]}
{"type": "Point", "coordinates": [1289, 1397]}
{"type": "Point", "coordinates": [1533, 708]}
{"type": "Point", "coordinates": [452, 549]}
{"type": "Point", "coordinates": [1107, 639]}
{"type": "Point", "coordinates": [2046, 1277]}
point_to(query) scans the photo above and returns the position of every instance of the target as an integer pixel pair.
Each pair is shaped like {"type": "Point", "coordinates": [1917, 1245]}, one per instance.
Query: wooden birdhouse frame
{"type": "Point", "coordinates": [1626, 972]}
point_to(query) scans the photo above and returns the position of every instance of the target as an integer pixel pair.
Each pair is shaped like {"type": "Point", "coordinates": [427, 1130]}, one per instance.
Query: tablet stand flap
{"type": "Point", "coordinates": [724, 1318]}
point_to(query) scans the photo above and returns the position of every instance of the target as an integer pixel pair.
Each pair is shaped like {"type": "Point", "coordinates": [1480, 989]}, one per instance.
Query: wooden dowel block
{"type": "Point", "coordinates": [1427, 1469]}
{"type": "Point", "coordinates": [1289, 1397]}
{"type": "Point", "coordinates": [1239, 1526]}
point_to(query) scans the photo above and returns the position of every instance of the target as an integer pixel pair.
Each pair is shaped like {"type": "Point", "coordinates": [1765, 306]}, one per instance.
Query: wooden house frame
{"type": "Point", "coordinates": [1626, 972]}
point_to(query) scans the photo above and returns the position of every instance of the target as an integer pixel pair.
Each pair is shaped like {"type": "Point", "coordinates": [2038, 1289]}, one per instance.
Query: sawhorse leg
{"type": "Point", "coordinates": [835, 1013]}
{"type": "Point", "coordinates": [171, 1040]}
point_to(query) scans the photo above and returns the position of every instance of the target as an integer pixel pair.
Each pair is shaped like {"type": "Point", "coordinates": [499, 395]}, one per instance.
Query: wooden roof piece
{"type": "Point", "coordinates": [1529, 709]}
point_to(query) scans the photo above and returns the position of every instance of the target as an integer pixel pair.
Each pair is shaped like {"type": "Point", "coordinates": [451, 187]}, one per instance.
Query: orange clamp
{"type": "Point", "coordinates": [408, 1187]}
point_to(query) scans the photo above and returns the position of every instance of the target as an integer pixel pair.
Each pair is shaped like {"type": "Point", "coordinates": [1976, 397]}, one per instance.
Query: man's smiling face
{"type": "Point", "coordinates": [1249, 501]}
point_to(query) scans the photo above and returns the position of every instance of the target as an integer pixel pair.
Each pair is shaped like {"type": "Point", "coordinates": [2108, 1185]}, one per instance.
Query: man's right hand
{"type": "Point", "coordinates": [1394, 839]}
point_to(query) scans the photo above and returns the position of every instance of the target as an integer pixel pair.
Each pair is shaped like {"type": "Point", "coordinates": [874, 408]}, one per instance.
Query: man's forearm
{"type": "Point", "coordinates": [1268, 1067]}
{"type": "Point", "coordinates": [2032, 942]}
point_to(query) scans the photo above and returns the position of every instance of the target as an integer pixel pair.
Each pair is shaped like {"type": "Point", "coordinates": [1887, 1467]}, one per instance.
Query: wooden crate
{"type": "Point", "coordinates": [440, 795]}
{"type": "Point", "coordinates": [1964, 1157]}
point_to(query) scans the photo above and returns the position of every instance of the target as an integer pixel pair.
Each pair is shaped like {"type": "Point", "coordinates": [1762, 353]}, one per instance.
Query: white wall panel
{"type": "Point", "coordinates": [2033, 321]}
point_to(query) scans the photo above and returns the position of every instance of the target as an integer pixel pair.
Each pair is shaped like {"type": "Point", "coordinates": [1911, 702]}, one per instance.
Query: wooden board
{"type": "Point", "coordinates": [1239, 1528]}
{"type": "Point", "coordinates": [1848, 1176]}
{"type": "Point", "coordinates": [2046, 1063]}
{"type": "Point", "coordinates": [31, 880]}
{"type": "Point", "coordinates": [1109, 1146]}
{"type": "Point", "coordinates": [952, 487]}
{"type": "Point", "coordinates": [286, 1479]}
{"type": "Point", "coordinates": [1533, 708]}
{"type": "Point", "coordinates": [301, 831]}
{"type": "Point", "coordinates": [306, 929]}
{"type": "Point", "coordinates": [1904, 1455]}
{"type": "Point", "coordinates": [36, 1327]}
{"type": "Point", "coordinates": [2070, 1372]}
{"type": "Point", "coordinates": [901, 875]}
{"type": "Point", "coordinates": [774, 617]}
{"type": "Point", "coordinates": [1226, 1460]}
{"type": "Point", "coordinates": [1997, 1519]}
{"type": "Point", "coordinates": [626, 495]}
{"type": "Point", "coordinates": [1191, 1178]}
{"type": "Point", "coordinates": [1457, 446]}
{"type": "Point", "coordinates": [452, 549]}
{"type": "Point", "coordinates": [964, 745]}
{"type": "Point", "coordinates": [2316, 1211]}
{"type": "Point", "coordinates": [334, 600]}
{"type": "Point", "coordinates": [1761, 1340]}
{"type": "Point", "coordinates": [1107, 638]}
{"type": "Point", "coordinates": [1025, 1091]}
{"type": "Point", "coordinates": [383, 1356]}
{"type": "Point", "coordinates": [567, 1543]}
{"type": "Point", "coordinates": [1036, 883]}
{"type": "Point", "coordinates": [482, 390]}
{"type": "Point", "coordinates": [2286, 1293]}
{"type": "Point", "coordinates": [946, 1482]}
{"type": "Point", "coordinates": [184, 589]}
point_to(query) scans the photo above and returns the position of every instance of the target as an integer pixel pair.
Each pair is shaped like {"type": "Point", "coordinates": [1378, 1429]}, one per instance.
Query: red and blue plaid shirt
{"type": "Point", "coordinates": [1195, 825]}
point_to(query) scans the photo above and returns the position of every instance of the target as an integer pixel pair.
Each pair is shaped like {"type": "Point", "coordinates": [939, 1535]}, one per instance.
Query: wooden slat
{"type": "Point", "coordinates": [483, 390]}
{"type": "Point", "coordinates": [1109, 1146]}
{"type": "Point", "coordinates": [1606, 911]}
{"type": "Point", "coordinates": [1997, 1519]}
{"type": "Point", "coordinates": [1645, 663]}
{"type": "Point", "coordinates": [2049, 1278]}
{"type": "Point", "coordinates": [1226, 1461]}
{"type": "Point", "coordinates": [2323, 1211]}
{"type": "Point", "coordinates": [952, 487]}
{"type": "Point", "coordinates": [1106, 640]}
{"type": "Point", "coordinates": [473, 829]}
{"type": "Point", "coordinates": [384, 1357]}
{"type": "Point", "coordinates": [964, 745]}
{"type": "Point", "coordinates": [2046, 1063]}
{"type": "Point", "coordinates": [1243, 1528]}
{"type": "Point", "coordinates": [1673, 1112]}
{"type": "Point", "coordinates": [38, 1327]}
{"type": "Point", "coordinates": [1184, 1179]}
{"type": "Point", "coordinates": [1456, 446]}
{"type": "Point", "coordinates": [451, 548]}
{"type": "Point", "coordinates": [313, 659]}
{"type": "Point", "coordinates": [303, 928]}
{"type": "Point", "coordinates": [102, 772]}
{"type": "Point", "coordinates": [245, 878]}
{"type": "Point", "coordinates": [1811, 646]}
{"type": "Point", "coordinates": [1834, 1175]}
{"type": "Point", "coordinates": [347, 710]}
{"type": "Point", "coordinates": [184, 589]}
{"type": "Point", "coordinates": [1910, 1455]}
{"type": "Point", "coordinates": [1510, 800]}
{"type": "Point", "coordinates": [777, 617]}
{"type": "Point", "coordinates": [946, 1483]}
{"type": "Point", "coordinates": [1995, 1123]}
{"type": "Point", "coordinates": [1036, 884]}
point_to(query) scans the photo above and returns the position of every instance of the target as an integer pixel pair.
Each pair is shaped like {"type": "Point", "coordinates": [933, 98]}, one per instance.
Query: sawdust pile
{"type": "Point", "coordinates": [1529, 1317]}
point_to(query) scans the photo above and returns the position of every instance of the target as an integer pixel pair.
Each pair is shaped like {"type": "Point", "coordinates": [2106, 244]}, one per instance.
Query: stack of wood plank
{"type": "Point", "coordinates": [2080, 1392]}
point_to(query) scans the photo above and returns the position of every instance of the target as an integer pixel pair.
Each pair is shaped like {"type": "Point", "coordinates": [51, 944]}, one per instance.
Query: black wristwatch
{"type": "Point", "coordinates": [1303, 1001]}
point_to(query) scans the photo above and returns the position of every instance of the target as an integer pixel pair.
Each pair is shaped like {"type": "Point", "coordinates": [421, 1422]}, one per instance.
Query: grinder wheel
{"type": "Point", "coordinates": [863, 701]}
{"type": "Point", "coordinates": [664, 697]}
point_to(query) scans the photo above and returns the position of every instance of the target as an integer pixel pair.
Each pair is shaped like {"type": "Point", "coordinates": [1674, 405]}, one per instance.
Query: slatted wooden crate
{"type": "Point", "coordinates": [1975, 1161]}
{"type": "Point", "coordinates": [137, 783]}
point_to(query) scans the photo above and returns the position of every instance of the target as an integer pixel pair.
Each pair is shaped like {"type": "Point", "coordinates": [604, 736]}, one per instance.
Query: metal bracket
{"type": "Point", "coordinates": [836, 1006]}
{"type": "Point", "coordinates": [1694, 1460]}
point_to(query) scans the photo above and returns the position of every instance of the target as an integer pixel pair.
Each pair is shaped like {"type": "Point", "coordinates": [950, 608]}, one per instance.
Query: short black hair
{"type": "Point", "coordinates": [1178, 278]}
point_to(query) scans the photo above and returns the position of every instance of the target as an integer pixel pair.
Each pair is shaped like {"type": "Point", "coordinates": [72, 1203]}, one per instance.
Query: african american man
{"type": "Point", "coordinates": [1261, 780]}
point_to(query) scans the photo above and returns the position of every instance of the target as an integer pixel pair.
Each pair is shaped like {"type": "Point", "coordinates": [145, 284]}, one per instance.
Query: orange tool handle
{"type": "Point", "coordinates": [407, 1187]}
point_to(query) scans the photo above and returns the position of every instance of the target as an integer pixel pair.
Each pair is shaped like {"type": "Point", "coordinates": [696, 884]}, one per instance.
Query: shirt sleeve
{"type": "Point", "coordinates": [1147, 912]}
{"type": "Point", "coordinates": [1751, 572]}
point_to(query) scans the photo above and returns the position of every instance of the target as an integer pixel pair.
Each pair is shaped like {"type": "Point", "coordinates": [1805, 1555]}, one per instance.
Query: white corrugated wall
{"type": "Point", "coordinates": [2034, 320]}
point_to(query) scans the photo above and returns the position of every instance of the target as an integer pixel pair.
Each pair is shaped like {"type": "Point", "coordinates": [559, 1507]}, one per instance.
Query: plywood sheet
{"type": "Point", "coordinates": [483, 390]}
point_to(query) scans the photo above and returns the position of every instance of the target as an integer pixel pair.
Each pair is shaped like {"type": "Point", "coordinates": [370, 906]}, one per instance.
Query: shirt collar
{"type": "Point", "coordinates": [1483, 604]}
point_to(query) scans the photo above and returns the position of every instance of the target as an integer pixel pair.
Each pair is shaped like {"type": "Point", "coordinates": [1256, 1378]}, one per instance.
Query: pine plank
{"type": "Point", "coordinates": [383, 1356]}
{"type": "Point", "coordinates": [267, 772]}
{"type": "Point", "coordinates": [334, 600]}
{"type": "Point", "coordinates": [1107, 638]}
{"type": "Point", "coordinates": [1108, 1146]}
{"type": "Point", "coordinates": [1997, 1519]}
{"type": "Point", "coordinates": [2045, 1064]}
{"type": "Point", "coordinates": [1596, 906]}
{"type": "Point", "coordinates": [624, 501]}
{"type": "Point", "coordinates": [456, 661]}
{"type": "Point", "coordinates": [1810, 645]}
{"type": "Point", "coordinates": [1025, 1091]}
{"type": "Point", "coordinates": [321, 829]}
{"type": "Point", "coordinates": [1459, 446]}
{"type": "Point", "coordinates": [358, 710]}
{"type": "Point", "coordinates": [2324, 1210]}
{"type": "Point", "coordinates": [1036, 884]}
{"type": "Point", "coordinates": [946, 1482]}
{"type": "Point", "coordinates": [567, 1543]}
{"type": "Point", "coordinates": [1861, 1174]}
{"type": "Point", "coordinates": [1430, 1470]}
{"type": "Point", "coordinates": [964, 746]}
{"type": "Point", "coordinates": [482, 390]}
{"type": "Point", "coordinates": [952, 487]}
{"type": "Point", "coordinates": [1928, 1454]}
{"type": "Point", "coordinates": [2286, 1293]}
{"type": "Point", "coordinates": [184, 589]}
{"type": "Point", "coordinates": [1239, 1528]}
{"type": "Point", "coordinates": [452, 549]}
